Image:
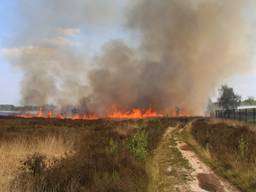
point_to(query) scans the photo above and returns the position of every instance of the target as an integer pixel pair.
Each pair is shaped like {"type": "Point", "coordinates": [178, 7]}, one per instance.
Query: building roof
{"type": "Point", "coordinates": [247, 107]}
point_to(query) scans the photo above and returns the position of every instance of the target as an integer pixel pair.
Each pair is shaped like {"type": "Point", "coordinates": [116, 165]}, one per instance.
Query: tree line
{"type": "Point", "coordinates": [229, 100]}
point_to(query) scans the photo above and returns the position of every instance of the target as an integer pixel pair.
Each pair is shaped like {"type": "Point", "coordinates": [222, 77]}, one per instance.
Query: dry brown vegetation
{"type": "Point", "coordinates": [229, 147]}
{"type": "Point", "coordinates": [16, 151]}
{"type": "Point", "coordinates": [42, 155]}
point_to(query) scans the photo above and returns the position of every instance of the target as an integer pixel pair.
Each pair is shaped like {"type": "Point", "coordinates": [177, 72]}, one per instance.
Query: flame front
{"type": "Point", "coordinates": [116, 114]}
{"type": "Point", "coordinates": [134, 114]}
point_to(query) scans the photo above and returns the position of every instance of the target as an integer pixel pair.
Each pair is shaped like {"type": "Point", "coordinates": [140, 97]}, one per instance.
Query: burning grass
{"type": "Point", "coordinates": [65, 155]}
{"type": "Point", "coordinates": [113, 114]}
{"type": "Point", "coordinates": [229, 148]}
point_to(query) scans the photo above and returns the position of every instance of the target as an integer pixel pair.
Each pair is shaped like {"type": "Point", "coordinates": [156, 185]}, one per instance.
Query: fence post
{"type": "Point", "coordinates": [246, 113]}
{"type": "Point", "coordinates": [254, 115]}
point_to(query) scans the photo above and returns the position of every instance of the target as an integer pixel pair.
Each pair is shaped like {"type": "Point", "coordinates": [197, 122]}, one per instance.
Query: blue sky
{"type": "Point", "coordinates": [10, 77]}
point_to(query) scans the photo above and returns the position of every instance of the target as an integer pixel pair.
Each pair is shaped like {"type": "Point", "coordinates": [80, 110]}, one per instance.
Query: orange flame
{"type": "Point", "coordinates": [40, 113]}
{"type": "Point", "coordinates": [26, 116]}
{"type": "Point", "coordinates": [133, 114]}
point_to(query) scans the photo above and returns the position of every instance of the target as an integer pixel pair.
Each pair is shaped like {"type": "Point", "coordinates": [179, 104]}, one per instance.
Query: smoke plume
{"type": "Point", "coordinates": [180, 53]}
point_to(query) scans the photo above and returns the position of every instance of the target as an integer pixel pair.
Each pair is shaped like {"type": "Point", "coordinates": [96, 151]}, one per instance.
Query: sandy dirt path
{"type": "Point", "coordinates": [166, 169]}
{"type": "Point", "coordinates": [175, 168]}
{"type": "Point", "coordinates": [204, 179]}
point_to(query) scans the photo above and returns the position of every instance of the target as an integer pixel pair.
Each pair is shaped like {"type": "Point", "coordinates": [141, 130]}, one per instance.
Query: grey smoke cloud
{"type": "Point", "coordinates": [44, 18]}
{"type": "Point", "coordinates": [185, 49]}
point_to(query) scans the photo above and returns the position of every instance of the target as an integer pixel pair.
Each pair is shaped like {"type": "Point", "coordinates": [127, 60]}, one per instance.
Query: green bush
{"type": "Point", "coordinates": [138, 145]}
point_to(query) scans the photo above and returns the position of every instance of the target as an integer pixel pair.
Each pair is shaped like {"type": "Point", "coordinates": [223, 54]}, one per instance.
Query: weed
{"type": "Point", "coordinates": [137, 145]}
{"type": "Point", "coordinates": [36, 164]}
{"type": "Point", "coordinates": [243, 147]}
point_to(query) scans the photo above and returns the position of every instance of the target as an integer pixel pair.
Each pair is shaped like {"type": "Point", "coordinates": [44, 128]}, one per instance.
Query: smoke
{"type": "Point", "coordinates": [184, 49]}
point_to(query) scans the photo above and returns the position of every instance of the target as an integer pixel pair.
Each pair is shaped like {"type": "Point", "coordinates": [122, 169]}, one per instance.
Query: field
{"type": "Point", "coordinates": [64, 155]}
{"type": "Point", "coordinates": [51, 155]}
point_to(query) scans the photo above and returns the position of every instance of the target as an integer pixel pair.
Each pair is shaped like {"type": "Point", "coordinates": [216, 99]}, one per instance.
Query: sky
{"type": "Point", "coordinates": [10, 77]}
{"type": "Point", "coordinates": [10, 23]}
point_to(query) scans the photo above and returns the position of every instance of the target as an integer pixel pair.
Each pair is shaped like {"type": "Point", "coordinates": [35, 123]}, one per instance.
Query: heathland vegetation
{"type": "Point", "coordinates": [42, 155]}
{"type": "Point", "coordinates": [228, 147]}
{"type": "Point", "coordinates": [51, 155]}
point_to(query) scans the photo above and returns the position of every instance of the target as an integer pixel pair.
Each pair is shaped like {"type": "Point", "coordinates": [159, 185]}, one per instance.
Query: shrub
{"type": "Point", "coordinates": [138, 144]}
{"type": "Point", "coordinates": [35, 164]}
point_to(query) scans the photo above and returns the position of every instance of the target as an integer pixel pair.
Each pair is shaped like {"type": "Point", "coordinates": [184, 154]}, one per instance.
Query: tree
{"type": "Point", "coordinates": [249, 101]}
{"type": "Point", "coordinates": [228, 100]}
{"type": "Point", "coordinates": [210, 108]}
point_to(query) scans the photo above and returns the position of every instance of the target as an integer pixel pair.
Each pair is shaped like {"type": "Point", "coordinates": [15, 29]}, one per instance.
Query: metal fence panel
{"type": "Point", "coordinates": [247, 115]}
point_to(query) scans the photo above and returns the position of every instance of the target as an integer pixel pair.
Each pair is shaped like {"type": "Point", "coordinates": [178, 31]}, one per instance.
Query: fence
{"type": "Point", "coordinates": [247, 115]}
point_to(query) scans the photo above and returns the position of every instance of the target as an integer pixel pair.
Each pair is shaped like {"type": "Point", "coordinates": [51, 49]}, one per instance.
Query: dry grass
{"type": "Point", "coordinates": [232, 123]}
{"type": "Point", "coordinates": [13, 152]}
{"type": "Point", "coordinates": [93, 156]}
{"type": "Point", "coordinates": [228, 147]}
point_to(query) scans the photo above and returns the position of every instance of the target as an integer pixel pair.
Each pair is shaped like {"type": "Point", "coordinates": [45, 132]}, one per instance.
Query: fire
{"type": "Point", "coordinates": [84, 117]}
{"type": "Point", "coordinates": [40, 113]}
{"type": "Point", "coordinates": [133, 114]}
{"type": "Point", "coordinates": [26, 115]}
